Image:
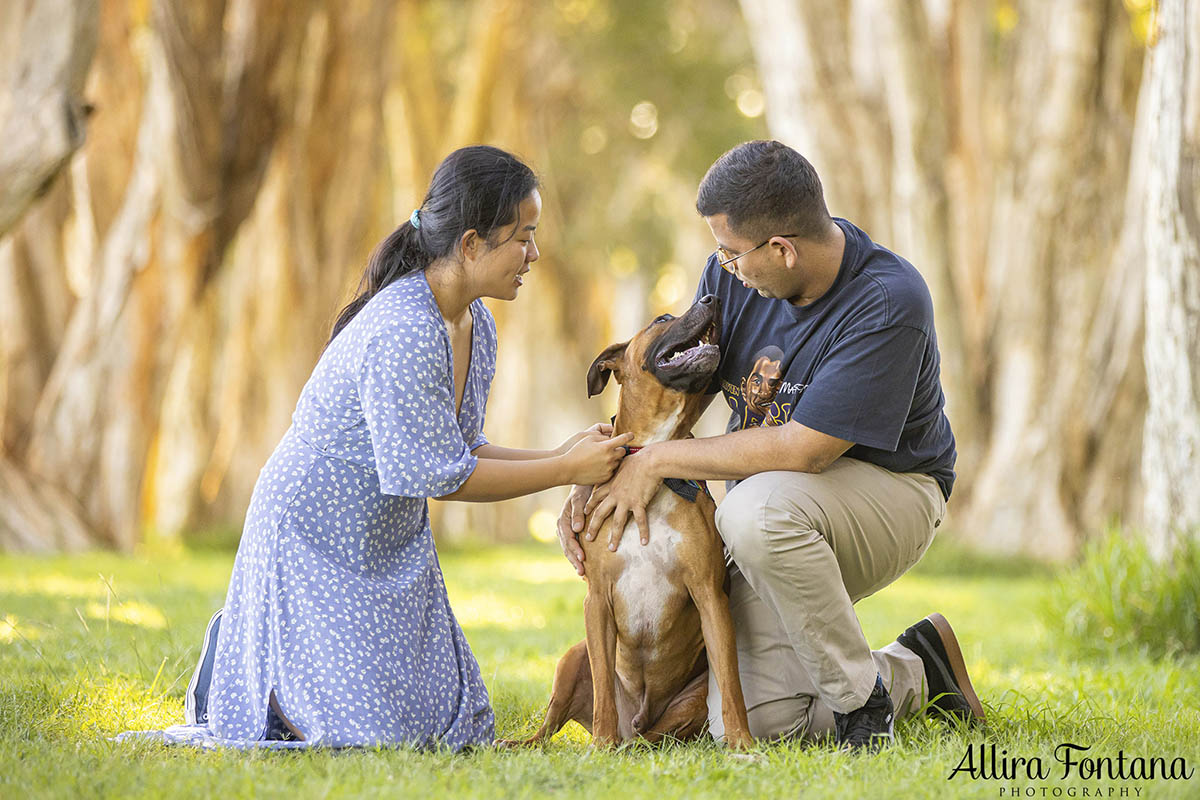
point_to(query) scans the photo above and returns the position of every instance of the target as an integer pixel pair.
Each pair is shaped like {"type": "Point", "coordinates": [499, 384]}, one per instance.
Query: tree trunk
{"type": "Point", "coordinates": [997, 183]}
{"type": "Point", "coordinates": [1171, 450]}
{"type": "Point", "coordinates": [328, 198]}
{"type": "Point", "coordinates": [196, 169]}
{"type": "Point", "coordinates": [46, 47]}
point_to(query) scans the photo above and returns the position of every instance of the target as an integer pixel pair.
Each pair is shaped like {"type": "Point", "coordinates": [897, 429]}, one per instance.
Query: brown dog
{"type": "Point", "coordinates": [657, 615]}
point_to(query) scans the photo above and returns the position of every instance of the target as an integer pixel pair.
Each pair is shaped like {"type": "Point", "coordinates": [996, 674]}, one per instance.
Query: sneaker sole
{"type": "Point", "coordinates": [957, 664]}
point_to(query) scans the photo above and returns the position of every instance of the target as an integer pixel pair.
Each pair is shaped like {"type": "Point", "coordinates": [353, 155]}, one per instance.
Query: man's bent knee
{"type": "Point", "coordinates": [740, 519]}
{"type": "Point", "coordinates": [748, 510]}
{"type": "Point", "coordinates": [743, 516]}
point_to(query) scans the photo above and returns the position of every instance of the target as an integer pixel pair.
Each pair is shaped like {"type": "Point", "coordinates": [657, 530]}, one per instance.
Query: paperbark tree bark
{"type": "Point", "coordinates": [196, 168]}
{"type": "Point", "coordinates": [331, 193]}
{"type": "Point", "coordinates": [46, 47]}
{"type": "Point", "coordinates": [989, 157]}
{"type": "Point", "coordinates": [1171, 451]}
{"type": "Point", "coordinates": [142, 393]}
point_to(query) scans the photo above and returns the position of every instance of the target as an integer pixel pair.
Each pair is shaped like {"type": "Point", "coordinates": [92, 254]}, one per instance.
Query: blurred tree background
{"type": "Point", "coordinates": [190, 188]}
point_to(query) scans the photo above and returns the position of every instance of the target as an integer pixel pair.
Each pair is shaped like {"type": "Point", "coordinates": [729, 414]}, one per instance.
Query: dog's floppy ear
{"type": "Point", "coordinates": [603, 366]}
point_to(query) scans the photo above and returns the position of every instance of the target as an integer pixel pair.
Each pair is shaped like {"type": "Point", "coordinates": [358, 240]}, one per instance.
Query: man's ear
{"type": "Point", "coordinates": [604, 365]}
{"type": "Point", "coordinates": [787, 249]}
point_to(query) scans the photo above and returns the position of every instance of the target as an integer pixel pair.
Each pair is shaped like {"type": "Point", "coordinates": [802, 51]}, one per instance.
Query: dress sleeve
{"type": "Point", "coordinates": [405, 388]}
{"type": "Point", "coordinates": [863, 389]}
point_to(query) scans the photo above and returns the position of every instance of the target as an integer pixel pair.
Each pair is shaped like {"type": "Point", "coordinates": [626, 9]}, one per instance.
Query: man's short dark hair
{"type": "Point", "coordinates": [765, 188]}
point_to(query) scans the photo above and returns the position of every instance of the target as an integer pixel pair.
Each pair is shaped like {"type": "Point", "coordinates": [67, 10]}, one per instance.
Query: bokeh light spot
{"type": "Point", "coordinates": [543, 526]}
{"type": "Point", "coordinates": [593, 140]}
{"type": "Point", "coordinates": [643, 120]}
{"type": "Point", "coordinates": [670, 287]}
{"type": "Point", "coordinates": [751, 103]}
{"type": "Point", "coordinates": [575, 11]}
{"type": "Point", "coordinates": [737, 83]}
{"type": "Point", "coordinates": [623, 262]}
{"type": "Point", "coordinates": [1005, 18]}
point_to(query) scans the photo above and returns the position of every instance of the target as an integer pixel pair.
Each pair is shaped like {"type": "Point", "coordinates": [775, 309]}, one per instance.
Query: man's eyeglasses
{"type": "Point", "coordinates": [725, 258]}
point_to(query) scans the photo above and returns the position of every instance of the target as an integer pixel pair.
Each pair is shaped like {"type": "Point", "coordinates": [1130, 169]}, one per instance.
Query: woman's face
{"type": "Point", "coordinates": [500, 270]}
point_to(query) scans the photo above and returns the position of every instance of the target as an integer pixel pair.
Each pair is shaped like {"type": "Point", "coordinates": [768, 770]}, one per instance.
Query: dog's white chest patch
{"type": "Point", "coordinates": [666, 427]}
{"type": "Point", "coordinates": [645, 585]}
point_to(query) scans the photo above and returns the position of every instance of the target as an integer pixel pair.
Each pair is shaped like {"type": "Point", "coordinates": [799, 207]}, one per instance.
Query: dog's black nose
{"type": "Point", "coordinates": [708, 299]}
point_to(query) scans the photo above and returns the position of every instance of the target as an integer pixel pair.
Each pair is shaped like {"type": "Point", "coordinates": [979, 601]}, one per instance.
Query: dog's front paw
{"type": "Point", "coordinates": [605, 742]}
{"type": "Point", "coordinates": [739, 740]}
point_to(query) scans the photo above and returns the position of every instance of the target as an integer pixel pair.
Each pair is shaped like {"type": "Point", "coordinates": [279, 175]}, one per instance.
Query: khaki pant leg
{"type": "Point", "coordinates": [809, 546]}
{"type": "Point", "coordinates": [781, 699]}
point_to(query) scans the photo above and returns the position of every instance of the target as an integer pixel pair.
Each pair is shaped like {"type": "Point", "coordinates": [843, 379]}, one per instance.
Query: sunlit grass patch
{"type": "Point", "coordinates": [131, 612]}
{"type": "Point", "coordinates": [56, 584]}
{"type": "Point", "coordinates": [477, 609]}
{"type": "Point", "coordinates": [12, 629]}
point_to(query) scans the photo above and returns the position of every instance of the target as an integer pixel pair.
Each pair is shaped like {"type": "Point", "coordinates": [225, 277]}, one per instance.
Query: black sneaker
{"type": "Point", "coordinates": [945, 670]}
{"type": "Point", "coordinates": [869, 727]}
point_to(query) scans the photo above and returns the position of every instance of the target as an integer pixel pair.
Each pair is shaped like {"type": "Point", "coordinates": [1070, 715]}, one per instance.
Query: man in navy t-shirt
{"type": "Point", "coordinates": [839, 455]}
{"type": "Point", "coordinates": [859, 363]}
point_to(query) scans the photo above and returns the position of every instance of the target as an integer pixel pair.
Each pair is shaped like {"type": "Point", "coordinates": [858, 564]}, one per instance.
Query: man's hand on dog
{"type": "Point", "coordinates": [627, 494]}
{"type": "Point", "coordinates": [570, 521]}
{"type": "Point", "coordinates": [570, 525]}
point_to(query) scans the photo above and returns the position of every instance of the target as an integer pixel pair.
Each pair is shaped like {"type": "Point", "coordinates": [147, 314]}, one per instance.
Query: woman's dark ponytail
{"type": "Point", "coordinates": [396, 255]}
{"type": "Point", "coordinates": [476, 188]}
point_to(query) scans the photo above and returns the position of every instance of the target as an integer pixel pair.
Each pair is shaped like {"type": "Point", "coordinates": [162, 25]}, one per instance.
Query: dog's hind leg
{"type": "Point", "coordinates": [570, 698]}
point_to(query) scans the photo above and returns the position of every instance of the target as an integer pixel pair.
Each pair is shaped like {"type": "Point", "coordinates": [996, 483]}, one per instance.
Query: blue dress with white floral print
{"type": "Point", "coordinates": [337, 602]}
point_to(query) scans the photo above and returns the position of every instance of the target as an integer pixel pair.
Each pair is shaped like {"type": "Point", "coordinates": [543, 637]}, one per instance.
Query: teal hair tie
{"type": "Point", "coordinates": [415, 218]}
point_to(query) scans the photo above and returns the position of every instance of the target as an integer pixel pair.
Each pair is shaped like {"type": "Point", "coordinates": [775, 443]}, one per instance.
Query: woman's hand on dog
{"type": "Point", "coordinates": [594, 457]}
{"type": "Point", "coordinates": [600, 427]}
{"type": "Point", "coordinates": [570, 525]}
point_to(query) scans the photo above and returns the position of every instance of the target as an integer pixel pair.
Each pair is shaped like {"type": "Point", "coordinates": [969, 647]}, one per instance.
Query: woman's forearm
{"type": "Point", "coordinates": [501, 479]}
{"type": "Point", "coordinates": [498, 453]}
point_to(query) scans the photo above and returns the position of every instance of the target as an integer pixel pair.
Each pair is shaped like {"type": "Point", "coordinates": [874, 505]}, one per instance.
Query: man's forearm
{"type": "Point", "coordinates": [740, 454]}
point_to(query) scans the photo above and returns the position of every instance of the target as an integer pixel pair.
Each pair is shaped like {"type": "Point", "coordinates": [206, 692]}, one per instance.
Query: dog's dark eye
{"type": "Point", "coordinates": [664, 318]}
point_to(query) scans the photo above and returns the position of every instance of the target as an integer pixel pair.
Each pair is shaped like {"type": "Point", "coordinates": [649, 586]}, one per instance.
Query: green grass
{"type": "Point", "coordinates": [1119, 598]}
{"type": "Point", "coordinates": [93, 645]}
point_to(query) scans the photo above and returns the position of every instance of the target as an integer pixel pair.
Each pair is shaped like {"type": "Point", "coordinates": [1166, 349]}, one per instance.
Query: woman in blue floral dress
{"type": "Point", "coordinates": [336, 629]}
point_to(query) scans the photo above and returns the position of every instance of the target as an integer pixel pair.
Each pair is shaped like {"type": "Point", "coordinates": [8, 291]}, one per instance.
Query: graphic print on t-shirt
{"type": "Point", "coordinates": [759, 389]}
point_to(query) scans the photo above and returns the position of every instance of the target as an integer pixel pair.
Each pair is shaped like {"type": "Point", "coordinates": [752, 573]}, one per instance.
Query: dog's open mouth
{"type": "Point", "coordinates": [704, 353]}
{"type": "Point", "coordinates": [687, 354]}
